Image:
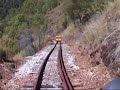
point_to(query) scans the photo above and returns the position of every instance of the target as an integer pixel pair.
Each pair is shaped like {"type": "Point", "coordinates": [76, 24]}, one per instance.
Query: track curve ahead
{"type": "Point", "coordinates": [41, 71]}
{"type": "Point", "coordinates": [63, 73]}
{"type": "Point", "coordinates": [66, 84]}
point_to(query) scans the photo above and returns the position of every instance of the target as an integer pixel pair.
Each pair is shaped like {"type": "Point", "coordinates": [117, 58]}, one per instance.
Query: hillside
{"type": "Point", "coordinates": [97, 41]}
{"type": "Point", "coordinates": [24, 17]}
{"type": "Point", "coordinates": [90, 28]}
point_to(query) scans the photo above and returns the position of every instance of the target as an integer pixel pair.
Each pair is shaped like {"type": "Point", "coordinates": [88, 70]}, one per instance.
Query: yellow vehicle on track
{"type": "Point", "coordinates": [58, 38]}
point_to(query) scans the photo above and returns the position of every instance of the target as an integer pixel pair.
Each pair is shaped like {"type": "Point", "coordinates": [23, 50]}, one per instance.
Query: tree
{"type": "Point", "coordinates": [80, 9]}
{"type": "Point", "coordinates": [7, 5]}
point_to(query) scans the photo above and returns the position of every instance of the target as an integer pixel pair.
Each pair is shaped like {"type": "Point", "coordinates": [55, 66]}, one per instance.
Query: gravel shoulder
{"type": "Point", "coordinates": [27, 73]}
{"type": "Point", "coordinates": [51, 75]}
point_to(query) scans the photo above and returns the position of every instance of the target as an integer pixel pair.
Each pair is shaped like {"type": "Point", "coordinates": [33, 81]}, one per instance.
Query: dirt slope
{"type": "Point", "coordinates": [93, 74]}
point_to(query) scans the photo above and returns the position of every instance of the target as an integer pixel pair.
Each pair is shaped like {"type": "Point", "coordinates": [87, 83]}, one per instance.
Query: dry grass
{"type": "Point", "coordinates": [18, 57]}
{"type": "Point", "coordinates": [68, 34]}
{"type": "Point", "coordinates": [95, 31]}
{"type": "Point", "coordinates": [101, 33]}
{"type": "Point", "coordinates": [104, 30]}
{"type": "Point", "coordinates": [102, 25]}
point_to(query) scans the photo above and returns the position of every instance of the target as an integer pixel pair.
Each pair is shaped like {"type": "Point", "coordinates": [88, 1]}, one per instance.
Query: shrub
{"type": "Point", "coordinates": [3, 55]}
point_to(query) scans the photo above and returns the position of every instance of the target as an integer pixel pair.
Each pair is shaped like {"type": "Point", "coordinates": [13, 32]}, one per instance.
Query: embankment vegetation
{"type": "Point", "coordinates": [83, 9]}
{"type": "Point", "coordinates": [99, 36]}
{"type": "Point", "coordinates": [23, 25]}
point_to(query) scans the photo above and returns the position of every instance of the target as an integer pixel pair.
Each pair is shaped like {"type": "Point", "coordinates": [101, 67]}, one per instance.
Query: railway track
{"type": "Point", "coordinates": [65, 81]}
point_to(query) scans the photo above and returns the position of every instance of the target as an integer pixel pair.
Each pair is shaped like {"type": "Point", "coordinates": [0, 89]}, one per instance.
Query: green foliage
{"type": "Point", "coordinates": [78, 9]}
{"type": "Point", "coordinates": [16, 15]}
{"type": "Point", "coordinates": [7, 5]}
{"type": "Point", "coordinates": [50, 4]}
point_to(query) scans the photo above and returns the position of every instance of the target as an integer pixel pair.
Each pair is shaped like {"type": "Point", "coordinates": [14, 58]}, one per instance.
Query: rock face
{"type": "Point", "coordinates": [24, 42]}
{"type": "Point", "coordinates": [110, 53]}
{"type": "Point", "coordinates": [108, 50]}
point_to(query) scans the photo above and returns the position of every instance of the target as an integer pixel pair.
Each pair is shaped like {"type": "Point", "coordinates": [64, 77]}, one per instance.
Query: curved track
{"type": "Point", "coordinates": [41, 71]}
{"type": "Point", "coordinates": [65, 79]}
{"type": "Point", "coordinates": [66, 84]}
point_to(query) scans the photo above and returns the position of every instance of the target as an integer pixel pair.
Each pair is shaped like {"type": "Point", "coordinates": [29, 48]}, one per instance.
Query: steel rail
{"type": "Point", "coordinates": [41, 71]}
{"type": "Point", "coordinates": [63, 73]}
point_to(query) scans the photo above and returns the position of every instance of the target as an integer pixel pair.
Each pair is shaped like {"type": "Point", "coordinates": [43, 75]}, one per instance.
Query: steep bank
{"type": "Point", "coordinates": [96, 45]}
